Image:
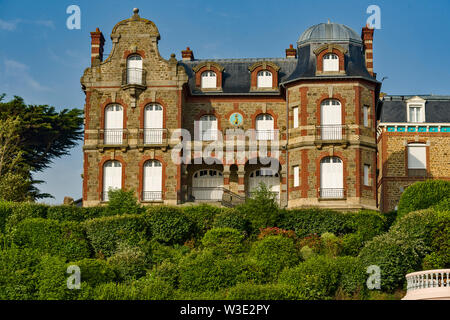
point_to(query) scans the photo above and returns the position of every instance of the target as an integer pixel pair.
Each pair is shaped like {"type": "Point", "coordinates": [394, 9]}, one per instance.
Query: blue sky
{"type": "Point", "coordinates": [42, 61]}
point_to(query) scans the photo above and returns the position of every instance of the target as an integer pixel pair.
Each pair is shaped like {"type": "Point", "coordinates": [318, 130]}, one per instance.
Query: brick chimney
{"type": "Point", "coordinates": [187, 55]}
{"type": "Point", "coordinates": [367, 37]}
{"type": "Point", "coordinates": [97, 42]}
{"type": "Point", "coordinates": [291, 52]}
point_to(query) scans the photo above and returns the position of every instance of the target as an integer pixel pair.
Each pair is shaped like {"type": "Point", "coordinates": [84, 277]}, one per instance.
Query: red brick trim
{"type": "Point", "coordinates": [141, 175]}
{"type": "Point", "coordinates": [321, 54]}
{"type": "Point", "coordinates": [100, 176]}
{"type": "Point", "coordinates": [85, 175]}
{"type": "Point", "coordinates": [358, 108]}
{"type": "Point", "coordinates": [358, 168]}
{"type": "Point", "coordinates": [324, 97]}
{"type": "Point", "coordinates": [338, 154]}
{"type": "Point", "coordinates": [234, 99]}
{"type": "Point", "coordinates": [198, 76]}
{"type": "Point", "coordinates": [128, 53]}
{"type": "Point", "coordinates": [268, 111]}
{"type": "Point", "coordinates": [303, 109]}
{"type": "Point", "coordinates": [150, 101]}
{"type": "Point", "coordinates": [304, 173]}
{"type": "Point", "coordinates": [86, 114]}
{"type": "Point", "coordinates": [254, 76]}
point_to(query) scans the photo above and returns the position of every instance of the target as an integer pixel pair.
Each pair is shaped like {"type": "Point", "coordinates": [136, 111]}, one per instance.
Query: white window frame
{"type": "Point", "coordinates": [208, 80]}
{"type": "Point", "coordinates": [330, 62]}
{"type": "Point", "coordinates": [208, 132]}
{"type": "Point", "coordinates": [296, 170]}
{"type": "Point", "coordinates": [295, 114]}
{"type": "Point", "coordinates": [264, 79]}
{"type": "Point", "coordinates": [366, 116]}
{"type": "Point", "coordinates": [264, 126]}
{"type": "Point", "coordinates": [416, 102]}
{"type": "Point", "coordinates": [366, 175]}
{"type": "Point", "coordinates": [417, 156]}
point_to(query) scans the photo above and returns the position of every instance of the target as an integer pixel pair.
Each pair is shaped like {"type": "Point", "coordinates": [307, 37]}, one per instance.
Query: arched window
{"type": "Point", "coordinates": [264, 127]}
{"type": "Point", "coordinates": [264, 79]}
{"type": "Point", "coordinates": [207, 184]}
{"type": "Point", "coordinates": [134, 69]}
{"type": "Point", "coordinates": [266, 176]}
{"type": "Point", "coordinates": [113, 133]}
{"type": "Point", "coordinates": [153, 124]}
{"type": "Point", "coordinates": [331, 178]}
{"type": "Point", "coordinates": [331, 120]}
{"type": "Point", "coordinates": [208, 128]}
{"type": "Point", "coordinates": [152, 181]}
{"type": "Point", "coordinates": [330, 62]}
{"type": "Point", "coordinates": [209, 80]}
{"type": "Point", "coordinates": [112, 177]}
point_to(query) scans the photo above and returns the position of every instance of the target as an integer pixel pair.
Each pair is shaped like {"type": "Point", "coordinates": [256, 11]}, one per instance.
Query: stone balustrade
{"type": "Point", "coordinates": [428, 285]}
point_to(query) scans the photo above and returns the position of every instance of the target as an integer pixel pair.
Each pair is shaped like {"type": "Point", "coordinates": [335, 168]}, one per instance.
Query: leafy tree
{"type": "Point", "coordinates": [31, 137]}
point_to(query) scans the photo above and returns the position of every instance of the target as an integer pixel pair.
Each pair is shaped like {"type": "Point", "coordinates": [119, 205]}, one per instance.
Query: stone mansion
{"type": "Point", "coordinates": [306, 124]}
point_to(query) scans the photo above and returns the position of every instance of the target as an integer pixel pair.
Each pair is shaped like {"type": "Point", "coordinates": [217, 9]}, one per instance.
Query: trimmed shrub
{"type": "Point", "coordinates": [274, 253]}
{"type": "Point", "coordinates": [417, 225]}
{"type": "Point", "coordinates": [251, 271]}
{"type": "Point", "coordinates": [168, 272]}
{"type": "Point", "coordinates": [307, 253]}
{"type": "Point", "coordinates": [443, 205]}
{"type": "Point", "coordinates": [63, 239]}
{"type": "Point", "coordinates": [274, 231]}
{"type": "Point", "coordinates": [396, 254]}
{"type": "Point", "coordinates": [169, 225]}
{"type": "Point", "coordinates": [95, 271]}
{"type": "Point", "coordinates": [440, 243]}
{"type": "Point", "coordinates": [122, 202]}
{"type": "Point", "coordinates": [105, 233]}
{"type": "Point", "coordinates": [128, 262]}
{"type": "Point", "coordinates": [315, 221]}
{"type": "Point", "coordinates": [422, 195]}
{"type": "Point", "coordinates": [202, 217]}
{"type": "Point", "coordinates": [352, 279]}
{"type": "Point", "coordinates": [332, 245]}
{"type": "Point", "coordinates": [312, 241]}
{"type": "Point", "coordinates": [74, 213]}
{"type": "Point", "coordinates": [18, 269]}
{"type": "Point", "coordinates": [316, 278]}
{"type": "Point", "coordinates": [352, 243]}
{"type": "Point", "coordinates": [230, 218]}
{"type": "Point", "coordinates": [143, 289]}
{"type": "Point", "coordinates": [207, 271]}
{"type": "Point", "coordinates": [273, 291]}
{"type": "Point", "coordinates": [20, 211]}
{"type": "Point", "coordinates": [204, 295]}
{"type": "Point", "coordinates": [226, 240]}
{"type": "Point", "coordinates": [368, 223]}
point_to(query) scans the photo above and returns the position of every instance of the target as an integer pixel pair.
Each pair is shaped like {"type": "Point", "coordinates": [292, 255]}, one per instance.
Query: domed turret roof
{"type": "Point", "coordinates": [329, 32]}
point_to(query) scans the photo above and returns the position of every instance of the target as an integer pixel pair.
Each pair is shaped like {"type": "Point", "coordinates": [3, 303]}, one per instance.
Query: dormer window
{"type": "Point", "coordinates": [209, 80]}
{"type": "Point", "coordinates": [416, 109]}
{"type": "Point", "coordinates": [264, 79]}
{"type": "Point", "coordinates": [331, 62]}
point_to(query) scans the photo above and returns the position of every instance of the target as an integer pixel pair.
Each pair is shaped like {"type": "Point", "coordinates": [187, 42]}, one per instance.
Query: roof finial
{"type": "Point", "coordinates": [136, 10]}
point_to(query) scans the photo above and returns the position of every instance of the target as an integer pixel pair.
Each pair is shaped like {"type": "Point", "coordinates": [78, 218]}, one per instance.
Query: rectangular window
{"type": "Point", "coordinates": [366, 174]}
{"type": "Point", "coordinates": [415, 114]}
{"type": "Point", "coordinates": [417, 156]}
{"type": "Point", "coordinates": [295, 112]}
{"type": "Point", "coordinates": [296, 176]}
{"type": "Point", "coordinates": [366, 116]}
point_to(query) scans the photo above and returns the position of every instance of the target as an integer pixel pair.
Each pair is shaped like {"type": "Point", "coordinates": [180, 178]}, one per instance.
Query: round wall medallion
{"type": "Point", "coordinates": [236, 119]}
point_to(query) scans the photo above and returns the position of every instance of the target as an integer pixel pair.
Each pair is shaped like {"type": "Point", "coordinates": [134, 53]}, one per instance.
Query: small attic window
{"type": "Point", "coordinates": [264, 79]}
{"type": "Point", "coordinates": [416, 110]}
{"type": "Point", "coordinates": [330, 62]}
{"type": "Point", "coordinates": [209, 80]}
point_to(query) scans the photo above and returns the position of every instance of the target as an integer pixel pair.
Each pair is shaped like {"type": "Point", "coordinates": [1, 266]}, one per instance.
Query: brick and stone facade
{"type": "Point", "coordinates": [298, 81]}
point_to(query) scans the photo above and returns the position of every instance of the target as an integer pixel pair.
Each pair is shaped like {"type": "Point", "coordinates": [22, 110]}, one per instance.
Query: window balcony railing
{"type": "Point", "coordinates": [332, 193]}
{"type": "Point", "coordinates": [154, 136]}
{"type": "Point", "coordinates": [152, 196]}
{"type": "Point", "coordinates": [428, 285]}
{"type": "Point", "coordinates": [135, 76]}
{"type": "Point", "coordinates": [333, 132]}
{"type": "Point", "coordinates": [113, 136]}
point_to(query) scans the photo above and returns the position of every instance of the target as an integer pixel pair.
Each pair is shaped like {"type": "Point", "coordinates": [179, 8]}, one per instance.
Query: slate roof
{"type": "Point", "coordinates": [393, 108]}
{"type": "Point", "coordinates": [236, 76]}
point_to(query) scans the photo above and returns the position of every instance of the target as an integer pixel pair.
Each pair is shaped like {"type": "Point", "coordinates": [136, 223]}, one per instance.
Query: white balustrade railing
{"type": "Point", "coordinates": [429, 284]}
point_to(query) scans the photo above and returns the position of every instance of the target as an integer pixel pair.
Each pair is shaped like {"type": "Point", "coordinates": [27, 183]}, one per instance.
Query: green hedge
{"type": "Point", "coordinates": [106, 233]}
{"type": "Point", "coordinates": [352, 277]}
{"type": "Point", "coordinates": [128, 262]}
{"type": "Point", "coordinates": [274, 253]}
{"type": "Point", "coordinates": [316, 278]}
{"type": "Point", "coordinates": [169, 225]}
{"type": "Point", "coordinates": [64, 239]}
{"type": "Point", "coordinates": [273, 291]}
{"type": "Point", "coordinates": [95, 271]}
{"type": "Point", "coordinates": [310, 221]}
{"type": "Point", "coordinates": [12, 213]}
{"type": "Point", "coordinates": [226, 240]}
{"type": "Point", "coordinates": [74, 213]}
{"type": "Point", "coordinates": [422, 195]}
{"type": "Point", "coordinates": [230, 218]}
{"type": "Point", "coordinates": [202, 217]}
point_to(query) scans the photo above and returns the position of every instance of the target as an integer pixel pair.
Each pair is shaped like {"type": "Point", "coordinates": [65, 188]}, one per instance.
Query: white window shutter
{"type": "Point", "coordinates": [296, 176]}
{"type": "Point", "coordinates": [295, 112]}
{"type": "Point", "coordinates": [417, 156]}
{"type": "Point", "coordinates": [366, 174]}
